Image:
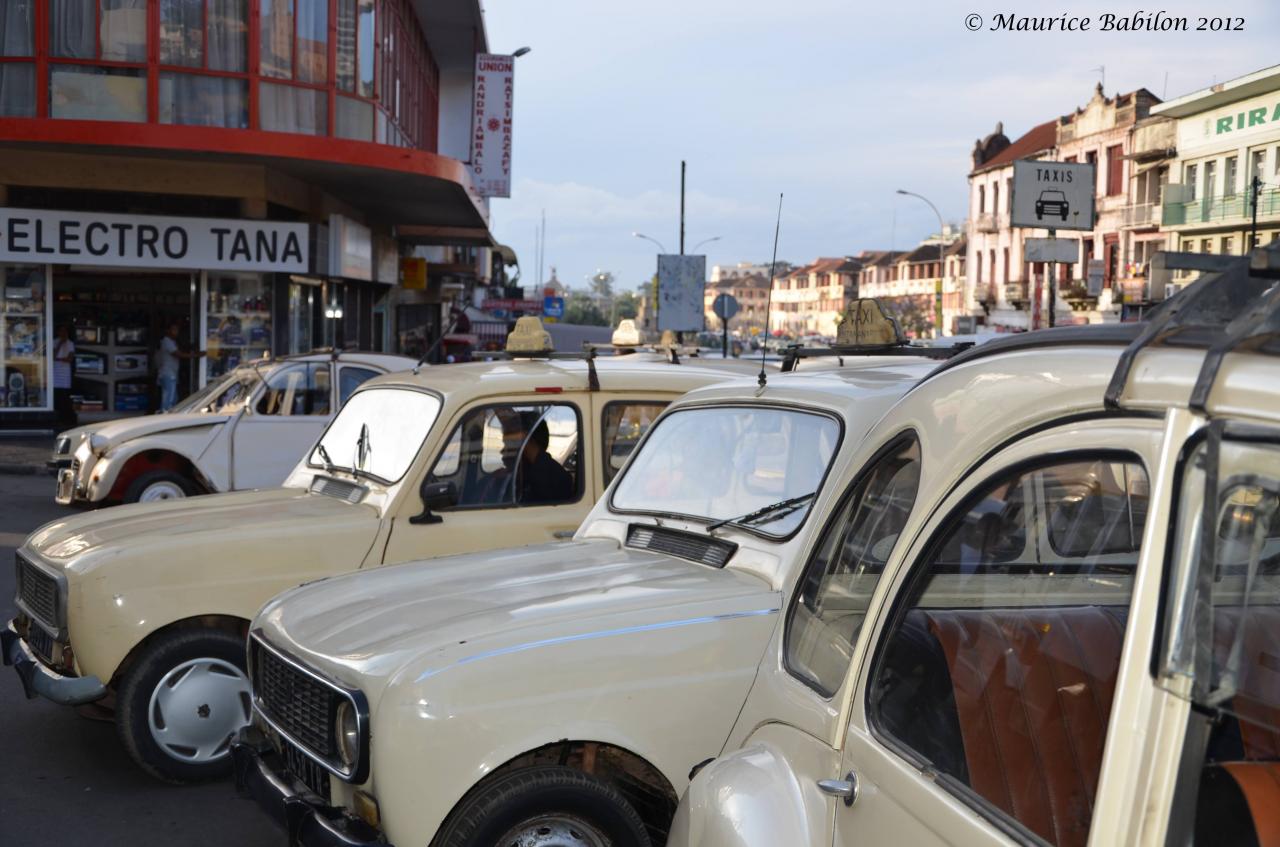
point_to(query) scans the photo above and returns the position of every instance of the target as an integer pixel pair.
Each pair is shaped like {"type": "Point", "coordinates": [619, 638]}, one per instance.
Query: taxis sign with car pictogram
{"type": "Point", "coordinates": [1052, 195]}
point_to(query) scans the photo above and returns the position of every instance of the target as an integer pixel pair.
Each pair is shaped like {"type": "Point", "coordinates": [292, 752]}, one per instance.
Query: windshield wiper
{"type": "Point", "coordinates": [364, 446]}
{"type": "Point", "coordinates": [783, 508]}
{"type": "Point", "coordinates": [329, 466]}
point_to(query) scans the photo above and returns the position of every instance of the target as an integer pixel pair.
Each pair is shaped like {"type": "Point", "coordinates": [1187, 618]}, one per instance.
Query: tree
{"type": "Point", "coordinates": [626, 305]}
{"type": "Point", "coordinates": [580, 309]}
{"type": "Point", "coordinates": [602, 285]}
{"type": "Point", "coordinates": [914, 313]}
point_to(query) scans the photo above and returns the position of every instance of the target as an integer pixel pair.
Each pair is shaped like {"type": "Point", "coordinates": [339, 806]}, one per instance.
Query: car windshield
{"type": "Point", "coordinates": [222, 395]}
{"type": "Point", "coordinates": [377, 433]}
{"type": "Point", "coordinates": [758, 468]}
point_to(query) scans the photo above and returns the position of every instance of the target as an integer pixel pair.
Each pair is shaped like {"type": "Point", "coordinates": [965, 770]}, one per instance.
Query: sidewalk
{"type": "Point", "coordinates": [25, 455]}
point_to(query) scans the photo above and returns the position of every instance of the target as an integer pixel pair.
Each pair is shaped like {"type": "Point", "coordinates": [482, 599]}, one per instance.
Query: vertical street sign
{"type": "Point", "coordinates": [1053, 196]}
{"type": "Point", "coordinates": [681, 280]}
{"type": "Point", "coordinates": [491, 124]}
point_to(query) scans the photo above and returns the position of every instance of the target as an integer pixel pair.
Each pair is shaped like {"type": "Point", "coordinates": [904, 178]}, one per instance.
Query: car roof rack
{"type": "Point", "coordinates": [866, 329]}
{"type": "Point", "coordinates": [1219, 311]}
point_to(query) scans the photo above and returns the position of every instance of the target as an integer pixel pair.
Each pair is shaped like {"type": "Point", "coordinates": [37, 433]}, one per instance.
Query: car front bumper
{"type": "Point", "coordinates": [37, 679]}
{"type": "Point", "coordinates": [306, 817]}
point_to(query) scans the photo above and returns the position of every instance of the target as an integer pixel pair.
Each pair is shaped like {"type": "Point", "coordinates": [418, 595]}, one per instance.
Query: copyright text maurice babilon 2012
{"type": "Point", "coordinates": [1140, 21]}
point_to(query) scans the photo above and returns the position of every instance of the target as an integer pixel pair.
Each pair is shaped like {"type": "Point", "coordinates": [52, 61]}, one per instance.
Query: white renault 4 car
{"type": "Point", "coordinates": [561, 694]}
{"type": "Point", "coordinates": [143, 609]}
{"type": "Point", "coordinates": [1040, 617]}
{"type": "Point", "coordinates": [246, 429]}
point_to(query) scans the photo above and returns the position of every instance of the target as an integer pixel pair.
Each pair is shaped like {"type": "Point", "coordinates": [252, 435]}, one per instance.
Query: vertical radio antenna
{"type": "Point", "coordinates": [773, 267]}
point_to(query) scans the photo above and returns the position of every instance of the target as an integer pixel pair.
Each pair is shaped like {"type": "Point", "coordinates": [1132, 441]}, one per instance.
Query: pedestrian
{"type": "Point", "coordinates": [64, 356]}
{"type": "Point", "coordinates": [167, 370]}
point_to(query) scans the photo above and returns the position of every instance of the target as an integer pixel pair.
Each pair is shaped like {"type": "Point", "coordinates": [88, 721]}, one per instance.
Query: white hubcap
{"type": "Point", "coordinates": [161, 491]}
{"type": "Point", "coordinates": [559, 830]}
{"type": "Point", "coordinates": [197, 708]}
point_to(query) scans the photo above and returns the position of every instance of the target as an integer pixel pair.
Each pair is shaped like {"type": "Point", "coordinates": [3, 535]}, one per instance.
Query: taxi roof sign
{"type": "Point", "coordinates": [529, 338]}
{"type": "Point", "coordinates": [865, 324]}
{"type": "Point", "coordinates": [626, 335]}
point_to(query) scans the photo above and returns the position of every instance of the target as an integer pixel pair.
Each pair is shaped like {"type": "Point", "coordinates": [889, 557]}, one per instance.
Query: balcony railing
{"type": "Point", "coordinates": [1140, 214]}
{"type": "Point", "coordinates": [988, 222]}
{"type": "Point", "coordinates": [1221, 209]}
{"type": "Point", "coordinates": [1016, 292]}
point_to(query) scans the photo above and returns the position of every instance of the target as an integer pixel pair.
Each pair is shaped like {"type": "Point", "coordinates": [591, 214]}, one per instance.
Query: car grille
{"type": "Point", "coordinates": [306, 769]}
{"type": "Point", "coordinates": [297, 703]}
{"type": "Point", "coordinates": [685, 545]}
{"type": "Point", "coordinates": [38, 592]}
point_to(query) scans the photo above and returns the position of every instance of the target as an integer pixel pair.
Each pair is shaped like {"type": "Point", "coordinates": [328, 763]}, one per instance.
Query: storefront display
{"type": "Point", "coordinates": [24, 338]}
{"type": "Point", "coordinates": [239, 321]}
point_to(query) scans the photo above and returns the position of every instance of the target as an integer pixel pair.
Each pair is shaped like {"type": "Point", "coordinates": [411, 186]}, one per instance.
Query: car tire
{"type": "Point", "coordinates": [159, 485]}
{"type": "Point", "coordinates": [553, 804]}
{"type": "Point", "coordinates": [179, 705]}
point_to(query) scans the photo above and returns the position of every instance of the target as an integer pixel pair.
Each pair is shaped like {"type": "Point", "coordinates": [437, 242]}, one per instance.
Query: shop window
{"type": "Point", "coordinates": [24, 379]}
{"type": "Point", "coordinates": [183, 34]}
{"type": "Point", "coordinates": [624, 425]}
{"type": "Point", "coordinates": [239, 321]}
{"type": "Point", "coordinates": [513, 456]}
{"type": "Point", "coordinates": [204, 100]}
{"type": "Point", "coordinates": [86, 93]}
{"type": "Point", "coordinates": [999, 668]}
{"type": "Point", "coordinates": [291, 108]}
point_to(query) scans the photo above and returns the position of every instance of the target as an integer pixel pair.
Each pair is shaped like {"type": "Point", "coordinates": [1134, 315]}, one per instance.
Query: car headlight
{"type": "Point", "coordinates": [98, 443]}
{"type": "Point", "coordinates": [347, 734]}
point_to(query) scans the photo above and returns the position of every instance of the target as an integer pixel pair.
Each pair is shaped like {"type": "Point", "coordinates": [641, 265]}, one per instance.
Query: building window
{"type": "Point", "coordinates": [90, 93]}
{"type": "Point", "coordinates": [1229, 175]}
{"type": "Point", "coordinates": [1190, 174]}
{"type": "Point", "coordinates": [1092, 158]}
{"type": "Point", "coordinates": [107, 30]}
{"type": "Point", "coordinates": [293, 108]}
{"type": "Point", "coordinates": [995, 199]}
{"type": "Point", "coordinates": [1228, 246]}
{"type": "Point", "coordinates": [982, 199]}
{"type": "Point", "coordinates": [204, 100]}
{"type": "Point", "coordinates": [183, 28]}
{"type": "Point", "coordinates": [1115, 170]}
{"type": "Point", "coordinates": [17, 42]}
{"type": "Point", "coordinates": [1006, 266]}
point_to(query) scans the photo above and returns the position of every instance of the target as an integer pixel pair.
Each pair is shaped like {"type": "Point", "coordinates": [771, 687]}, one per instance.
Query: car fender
{"type": "Point", "coordinates": [667, 692]}
{"type": "Point", "coordinates": [199, 445]}
{"type": "Point", "coordinates": [762, 793]}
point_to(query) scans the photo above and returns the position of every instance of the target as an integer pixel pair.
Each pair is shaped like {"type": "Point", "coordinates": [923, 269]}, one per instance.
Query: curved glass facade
{"type": "Point", "coordinates": [355, 69]}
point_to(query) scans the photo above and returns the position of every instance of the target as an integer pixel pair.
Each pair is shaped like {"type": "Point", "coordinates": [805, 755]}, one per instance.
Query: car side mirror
{"type": "Point", "coordinates": [435, 495]}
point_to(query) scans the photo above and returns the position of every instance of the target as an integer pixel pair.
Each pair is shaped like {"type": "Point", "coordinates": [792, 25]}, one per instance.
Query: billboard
{"type": "Point", "coordinates": [1053, 195]}
{"type": "Point", "coordinates": [491, 124]}
{"type": "Point", "coordinates": [681, 280]}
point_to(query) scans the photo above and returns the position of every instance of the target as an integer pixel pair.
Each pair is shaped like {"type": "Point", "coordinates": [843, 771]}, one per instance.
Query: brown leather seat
{"type": "Point", "coordinates": [1033, 691]}
{"type": "Point", "coordinates": [1258, 685]}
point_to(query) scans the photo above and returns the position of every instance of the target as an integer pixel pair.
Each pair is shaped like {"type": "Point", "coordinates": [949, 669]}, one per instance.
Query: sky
{"type": "Point", "coordinates": [832, 103]}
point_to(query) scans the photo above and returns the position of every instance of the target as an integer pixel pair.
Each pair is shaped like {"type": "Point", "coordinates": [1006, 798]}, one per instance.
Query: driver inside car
{"type": "Point", "coordinates": [542, 478]}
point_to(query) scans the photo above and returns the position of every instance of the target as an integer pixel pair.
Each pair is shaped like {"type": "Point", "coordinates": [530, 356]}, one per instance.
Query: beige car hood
{"type": "Point", "coordinates": [126, 429]}
{"type": "Point", "coordinates": [187, 530]}
{"type": "Point", "coordinates": [462, 609]}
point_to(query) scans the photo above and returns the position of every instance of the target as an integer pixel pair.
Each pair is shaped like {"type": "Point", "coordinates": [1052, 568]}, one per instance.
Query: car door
{"type": "Point", "coordinates": [621, 422]}
{"type": "Point", "coordinates": [520, 470]}
{"type": "Point", "coordinates": [981, 708]}
{"type": "Point", "coordinates": [287, 417]}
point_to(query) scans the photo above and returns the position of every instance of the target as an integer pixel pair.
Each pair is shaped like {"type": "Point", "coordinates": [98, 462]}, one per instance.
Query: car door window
{"type": "Point", "coordinates": [999, 665]}
{"type": "Point", "coordinates": [623, 425]}
{"type": "Point", "coordinates": [1225, 615]}
{"type": "Point", "coordinates": [349, 379]}
{"type": "Point", "coordinates": [831, 603]}
{"type": "Point", "coordinates": [514, 455]}
{"type": "Point", "coordinates": [301, 389]}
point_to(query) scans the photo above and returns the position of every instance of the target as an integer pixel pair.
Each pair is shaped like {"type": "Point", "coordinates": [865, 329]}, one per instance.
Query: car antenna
{"type": "Point", "coordinates": [773, 266]}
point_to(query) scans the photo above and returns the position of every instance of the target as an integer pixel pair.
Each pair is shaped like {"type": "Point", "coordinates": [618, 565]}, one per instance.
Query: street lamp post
{"type": "Point", "coordinates": [942, 261]}
{"type": "Point", "coordinates": [661, 249]}
{"type": "Point", "coordinates": [703, 241]}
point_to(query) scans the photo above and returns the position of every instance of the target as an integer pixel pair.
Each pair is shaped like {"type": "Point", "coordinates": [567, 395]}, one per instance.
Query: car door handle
{"type": "Point", "coordinates": [846, 789]}
{"type": "Point", "coordinates": [563, 533]}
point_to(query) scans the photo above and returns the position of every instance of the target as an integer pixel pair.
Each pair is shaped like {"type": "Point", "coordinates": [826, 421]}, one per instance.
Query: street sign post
{"type": "Point", "coordinates": [1095, 277]}
{"type": "Point", "coordinates": [553, 308]}
{"type": "Point", "coordinates": [725, 307]}
{"type": "Point", "coordinates": [1052, 195]}
{"type": "Point", "coordinates": [681, 280]}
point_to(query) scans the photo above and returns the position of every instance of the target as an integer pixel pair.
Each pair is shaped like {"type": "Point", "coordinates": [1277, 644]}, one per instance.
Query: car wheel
{"type": "Point", "coordinates": [181, 703]}
{"type": "Point", "coordinates": [545, 807]}
{"type": "Point", "coordinates": [158, 485]}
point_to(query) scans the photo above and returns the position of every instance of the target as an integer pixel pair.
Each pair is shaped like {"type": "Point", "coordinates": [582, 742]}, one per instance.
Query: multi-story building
{"type": "Point", "coordinates": [1151, 149]}
{"type": "Point", "coordinates": [252, 171]}
{"type": "Point", "coordinates": [810, 300]}
{"type": "Point", "coordinates": [751, 290]}
{"type": "Point", "coordinates": [1227, 135]}
{"type": "Point", "coordinates": [719, 272]}
{"type": "Point", "coordinates": [997, 286]}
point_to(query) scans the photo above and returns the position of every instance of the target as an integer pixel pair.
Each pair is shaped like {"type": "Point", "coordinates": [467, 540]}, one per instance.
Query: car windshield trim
{"type": "Point", "coordinates": [358, 473]}
{"type": "Point", "coordinates": [829, 414]}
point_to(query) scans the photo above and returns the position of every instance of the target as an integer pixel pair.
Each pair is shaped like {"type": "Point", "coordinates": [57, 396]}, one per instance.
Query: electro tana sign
{"type": "Point", "coordinates": [146, 241]}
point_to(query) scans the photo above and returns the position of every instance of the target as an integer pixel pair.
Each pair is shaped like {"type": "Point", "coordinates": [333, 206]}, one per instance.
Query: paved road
{"type": "Point", "coordinates": [65, 780]}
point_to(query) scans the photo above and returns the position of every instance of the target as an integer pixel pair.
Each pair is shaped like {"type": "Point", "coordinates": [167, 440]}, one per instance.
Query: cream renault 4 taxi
{"type": "Point", "coordinates": [246, 429]}
{"type": "Point", "coordinates": [560, 694]}
{"type": "Point", "coordinates": [144, 608]}
{"type": "Point", "coordinates": [1039, 617]}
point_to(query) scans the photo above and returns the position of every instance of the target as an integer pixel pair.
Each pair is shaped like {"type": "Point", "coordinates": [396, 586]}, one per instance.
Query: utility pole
{"type": "Point", "coordinates": [1255, 189]}
{"type": "Point", "coordinates": [1053, 288]}
{"type": "Point", "coordinates": [682, 207]}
